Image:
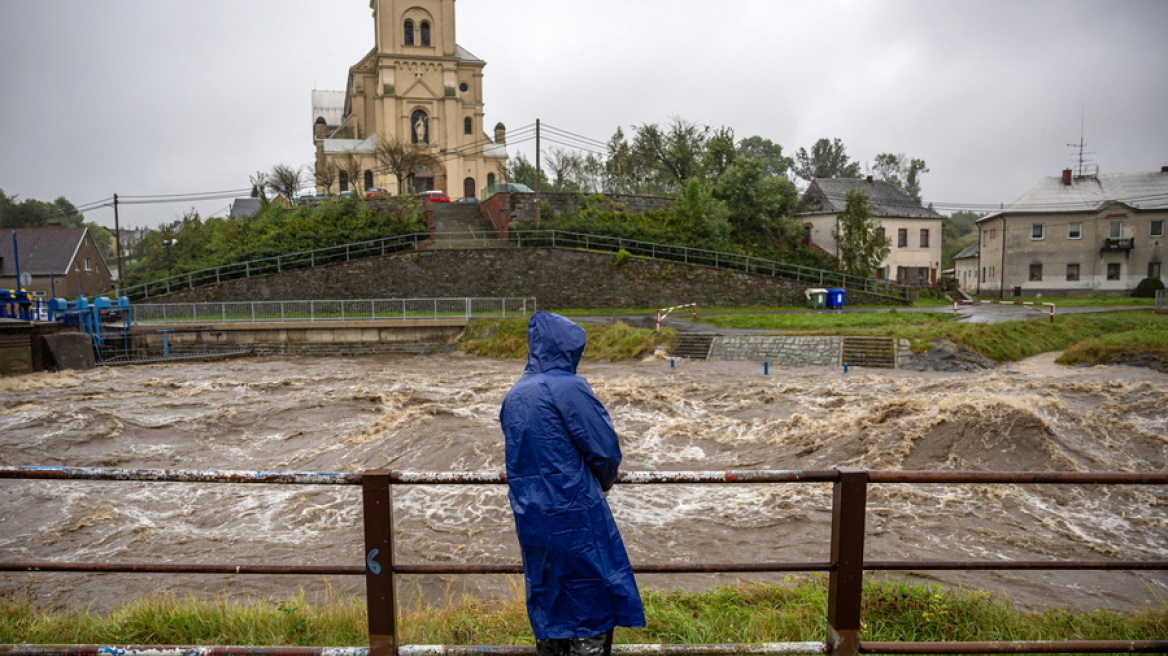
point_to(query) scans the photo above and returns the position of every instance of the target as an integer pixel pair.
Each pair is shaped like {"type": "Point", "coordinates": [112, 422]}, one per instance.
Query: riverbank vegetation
{"type": "Point", "coordinates": [743, 613]}
{"type": "Point", "coordinates": [1086, 339]}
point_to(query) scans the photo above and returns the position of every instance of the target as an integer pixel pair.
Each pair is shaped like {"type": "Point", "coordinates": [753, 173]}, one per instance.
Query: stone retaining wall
{"type": "Point", "coordinates": [558, 278]}
{"type": "Point", "coordinates": [793, 351]}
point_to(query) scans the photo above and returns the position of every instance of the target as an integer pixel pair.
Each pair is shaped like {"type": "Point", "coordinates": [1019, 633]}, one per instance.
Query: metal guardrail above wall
{"type": "Point", "coordinates": [846, 566]}
{"type": "Point", "coordinates": [520, 238]}
{"type": "Point", "coordinates": [356, 310]}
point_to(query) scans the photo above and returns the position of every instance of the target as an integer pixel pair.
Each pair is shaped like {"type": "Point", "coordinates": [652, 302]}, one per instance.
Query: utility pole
{"type": "Point", "coordinates": [118, 247]}
{"type": "Point", "coordinates": [538, 174]}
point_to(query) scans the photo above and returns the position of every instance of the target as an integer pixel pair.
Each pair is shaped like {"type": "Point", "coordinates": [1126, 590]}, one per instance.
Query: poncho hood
{"type": "Point", "coordinates": [554, 343]}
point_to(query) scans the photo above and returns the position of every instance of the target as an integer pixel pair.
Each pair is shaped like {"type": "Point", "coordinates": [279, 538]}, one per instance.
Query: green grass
{"type": "Point", "coordinates": [743, 613]}
{"type": "Point", "coordinates": [1087, 301]}
{"type": "Point", "coordinates": [811, 323]}
{"type": "Point", "coordinates": [507, 338]}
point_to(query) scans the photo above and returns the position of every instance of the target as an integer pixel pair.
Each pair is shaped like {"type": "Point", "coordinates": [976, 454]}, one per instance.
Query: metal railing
{"type": "Point", "coordinates": [845, 567]}
{"type": "Point", "coordinates": [354, 310]}
{"type": "Point", "coordinates": [521, 238]}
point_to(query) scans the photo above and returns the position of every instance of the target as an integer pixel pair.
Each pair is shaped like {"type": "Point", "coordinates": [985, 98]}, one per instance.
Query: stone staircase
{"type": "Point", "coordinates": [870, 352]}
{"type": "Point", "coordinates": [694, 346]}
{"type": "Point", "coordinates": [462, 225]}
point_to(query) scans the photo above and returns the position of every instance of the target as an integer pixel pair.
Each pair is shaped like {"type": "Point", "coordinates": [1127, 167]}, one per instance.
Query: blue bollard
{"type": "Point", "coordinates": [672, 363]}
{"type": "Point", "coordinates": [766, 368]}
{"type": "Point", "coordinates": [845, 368]}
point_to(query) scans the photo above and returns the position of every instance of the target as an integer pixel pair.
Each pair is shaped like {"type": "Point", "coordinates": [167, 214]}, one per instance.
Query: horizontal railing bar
{"type": "Point", "coordinates": [1017, 647]}
{"type": "Point", "coordinates": [163, 568]}
{"type": "Point", "coordinates": [182, 475]}
{"type": "Point", "coordinates": [763, 648]}
{"type": "Point", "coordinates": [352, 570]}
{"type": "Point", "coordinates": [937, 565]}
{"type": "Point", "coordinates": [1089, 478]}
{"type": "Point", "coordinates": [627, 477]}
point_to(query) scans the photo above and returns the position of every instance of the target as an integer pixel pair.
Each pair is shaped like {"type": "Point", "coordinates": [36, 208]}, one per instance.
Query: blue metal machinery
{"type": "Point", "coordinates": [93, 318]}
{"type": "Point", "coordinates": [18, 304]}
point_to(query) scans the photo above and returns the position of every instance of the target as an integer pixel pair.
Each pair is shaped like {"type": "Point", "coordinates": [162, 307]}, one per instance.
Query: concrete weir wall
{"type": "Point", "coordinates": [796, 351]}
{"type": "Point", "coordinates": [337, 338]}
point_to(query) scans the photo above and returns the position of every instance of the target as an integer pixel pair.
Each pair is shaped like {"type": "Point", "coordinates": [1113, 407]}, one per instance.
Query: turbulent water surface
{"type": "Point", "coordinates": [438, 413]}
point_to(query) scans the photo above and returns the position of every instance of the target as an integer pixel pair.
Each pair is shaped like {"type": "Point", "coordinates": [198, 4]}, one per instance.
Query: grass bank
{"type": "Point", "coordinates": [507, 338]}
{"type": "Point", "coordinates": [1087, 338]}
{"type": "Point", "coordinates": [742, 613]}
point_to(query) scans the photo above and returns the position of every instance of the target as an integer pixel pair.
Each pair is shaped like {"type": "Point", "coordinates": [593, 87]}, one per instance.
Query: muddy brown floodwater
{"type": "Point", "coordinates": [438, 413]}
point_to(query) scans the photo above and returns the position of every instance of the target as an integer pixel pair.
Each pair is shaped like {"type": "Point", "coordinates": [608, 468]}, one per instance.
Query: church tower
{"type": "Point", "coordinates": [416, 92]}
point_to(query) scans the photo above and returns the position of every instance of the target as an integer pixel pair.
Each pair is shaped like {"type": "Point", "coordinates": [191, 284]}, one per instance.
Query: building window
{"type": "Point", "coordinates": [1113, 271]}
{"type": "Point", "coordinates": [1115, 230]}
{"type": "Point", "coordinates": [409, 33]}
{"type": "Point", "coordinates": [924, 238]}
{"type": "Point", "coordinates": [1074, 231]}
{"type": "Point", "coordinates": [1036, 272]}
{"type": "Point", "coordinates": [467, 125]}
{"type": "Point", "coordinates": [1153, 269]}
{"type": "Point", "coordinates": [902, 237]}
{"type": "Point", "coordinates": [1072, 271]}
{"type": "Point", "coordinates": [344, 181]}
{"type": "Point", "coordinates": [88, 264]}
{"type": "Point", "coordinates": [425, 33]}
{"type": "Point", "coordinates": [983, 274]}
{"type": "Point", "coordinates": [1038, 231]}
{"type": "Point", "coordinates": [1157, 228]}
{"type": "Point", "coordinates": [490, 179]}
{"type": "Point", "coordinates": [368, 180]}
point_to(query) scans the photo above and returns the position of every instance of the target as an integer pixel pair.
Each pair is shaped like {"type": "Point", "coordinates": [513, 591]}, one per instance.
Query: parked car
{"type": "Point", "coordinates": [467, 199]}
{"type": "Point", "coordinates": [436, 196]}
{"type": "Point", "coordinates": [347, 194]}
{"type": "Point", "coordinates": [376, 192]}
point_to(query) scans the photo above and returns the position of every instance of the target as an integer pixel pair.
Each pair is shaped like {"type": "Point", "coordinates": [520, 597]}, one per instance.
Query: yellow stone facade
{"type": "Point", "coordinates": [418, 87]}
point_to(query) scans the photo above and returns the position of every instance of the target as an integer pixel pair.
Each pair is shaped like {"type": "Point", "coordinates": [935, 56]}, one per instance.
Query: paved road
{"type": "Point", "coordinates": [977, 313]}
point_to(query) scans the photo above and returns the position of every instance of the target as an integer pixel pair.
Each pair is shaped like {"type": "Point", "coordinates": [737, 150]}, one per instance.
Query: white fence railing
{"type": "Point", "coordinates": [354, 310]}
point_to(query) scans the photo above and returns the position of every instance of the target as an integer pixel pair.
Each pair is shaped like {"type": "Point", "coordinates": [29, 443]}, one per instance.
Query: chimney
{"type": "Point", "coordinates": [1067, 177]}
{"type": "Point", "coordinates": [1164, 169]}
{"type": "Point", "coordinates": [869, 178]}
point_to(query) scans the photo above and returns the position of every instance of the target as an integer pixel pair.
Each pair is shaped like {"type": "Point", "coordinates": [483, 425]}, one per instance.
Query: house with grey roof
{"type": "Point", "coordinates": [65, 262]}
{"type": "Point", "coordinates": [1070, 235]}
{"type": "Point", "coordinates": [914, 232]}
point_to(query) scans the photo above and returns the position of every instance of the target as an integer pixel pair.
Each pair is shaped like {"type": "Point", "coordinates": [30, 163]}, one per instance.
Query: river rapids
{"type": "Point", "coordinates": [439, 413]}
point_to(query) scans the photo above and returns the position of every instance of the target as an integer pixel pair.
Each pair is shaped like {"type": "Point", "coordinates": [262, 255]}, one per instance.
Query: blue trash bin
{"type": "Point", "coordinates": [836, 297]}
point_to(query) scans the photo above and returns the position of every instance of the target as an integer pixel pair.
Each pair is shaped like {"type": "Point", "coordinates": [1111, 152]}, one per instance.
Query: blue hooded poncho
{"type": "Point", "coordinates": [562, 455]}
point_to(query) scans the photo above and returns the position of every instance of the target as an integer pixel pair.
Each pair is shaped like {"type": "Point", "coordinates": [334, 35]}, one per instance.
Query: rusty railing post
{"type": "Point", "coordinates": [379, 576]}
{"type": "Point", "coordinates": [846, 582]}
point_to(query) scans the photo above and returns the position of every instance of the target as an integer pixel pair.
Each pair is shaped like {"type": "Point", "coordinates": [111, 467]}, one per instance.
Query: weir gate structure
{"type": "Point", "coordinates": [845, 567]}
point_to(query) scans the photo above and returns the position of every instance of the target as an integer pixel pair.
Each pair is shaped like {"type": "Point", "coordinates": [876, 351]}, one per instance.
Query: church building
{"type": "Point", "coordinates": [411, 118]}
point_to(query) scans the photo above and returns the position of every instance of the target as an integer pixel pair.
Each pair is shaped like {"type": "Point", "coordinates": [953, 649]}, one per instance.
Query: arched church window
{"type": "Point", "coordinates": [467, 125]}
{"type": "Point", "coordinates": [368, 180]}
{"type": "Point", "coordinates": [425, 33]}
{"type": "Point", "coordinates": [490, 179]}
{"type": "Point", "coordinates": [409, 33]}
{"type": "Point", "coordinates": [419, 127]}
{"type": "Point", "coordinates": [344, 181]}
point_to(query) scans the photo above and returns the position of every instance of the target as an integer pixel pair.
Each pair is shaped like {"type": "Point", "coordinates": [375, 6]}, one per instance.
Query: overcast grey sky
{"type": "Point", "coordinates": [157, 97]}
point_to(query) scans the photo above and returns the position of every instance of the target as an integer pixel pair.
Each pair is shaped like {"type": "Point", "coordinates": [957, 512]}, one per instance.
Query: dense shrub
{"type": "Point", "coordinates": [1148, 288]}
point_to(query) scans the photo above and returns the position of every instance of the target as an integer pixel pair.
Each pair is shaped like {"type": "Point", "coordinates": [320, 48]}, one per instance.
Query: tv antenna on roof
{"type": "Point", "coordinates": [1084, 168]}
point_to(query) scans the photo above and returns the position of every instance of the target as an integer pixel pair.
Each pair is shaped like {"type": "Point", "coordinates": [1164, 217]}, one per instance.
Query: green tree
{"type": "Point", "coordinates": [32, 213]}
{"type": "Point", "coordinates": [675, 153]}
{"type": "Point", "coordinates": [827, 159]}
{"type": "Point", "coordinates": [701, 215]}
{"type": "Point", "coordinates": [759, 205]}
{"type": "Point", "coordinates": [768, 153]}
{"type": "Point", "coordinates": [901, 172]}
{"type": "Point", "coordinates": [862, 244]}
{"type": "Point", "coordinates": [523, 171]}
{"type": "Point", "coordinates": [957, 232]}
{"type": "Point", "coordinates": [720, 152]}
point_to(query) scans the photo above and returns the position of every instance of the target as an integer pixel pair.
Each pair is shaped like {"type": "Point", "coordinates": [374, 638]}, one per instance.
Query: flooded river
{"type": "Point", "coordinates": [438, 413]}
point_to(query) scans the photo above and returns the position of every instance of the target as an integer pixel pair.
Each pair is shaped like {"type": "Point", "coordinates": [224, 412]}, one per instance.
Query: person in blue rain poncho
{"type": "Point", "coordinates": [562, 458]}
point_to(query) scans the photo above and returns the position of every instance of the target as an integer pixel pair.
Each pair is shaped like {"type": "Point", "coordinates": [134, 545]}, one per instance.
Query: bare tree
{"type": "Point", "coordinates": [325, 173]}
{"type": "Point", "coordinates": [402, 159]}
{"type": "Point", "coordinates": [349, 168]}
{"type": "Point", "coordinates": [565, 165]}
{"type": "Point", "coordinates": [285, 180]}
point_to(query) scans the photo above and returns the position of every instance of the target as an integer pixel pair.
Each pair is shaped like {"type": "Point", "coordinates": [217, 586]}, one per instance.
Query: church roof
{"type": "Point", "coordinates": [329, 105]}
{"type": "Point", "coordinates": [465, 55]}
{"type": "Point", "coordinates": [830, 196]}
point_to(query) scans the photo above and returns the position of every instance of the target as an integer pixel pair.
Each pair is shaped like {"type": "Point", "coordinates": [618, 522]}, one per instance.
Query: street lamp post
{"type": "Point", "coordinates": [168, 243]}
